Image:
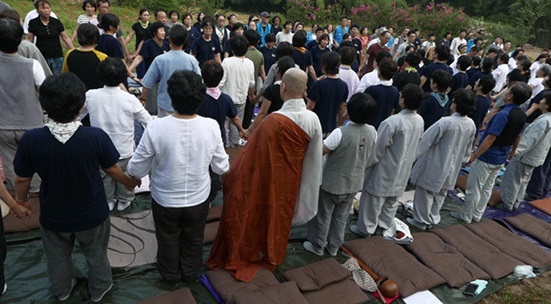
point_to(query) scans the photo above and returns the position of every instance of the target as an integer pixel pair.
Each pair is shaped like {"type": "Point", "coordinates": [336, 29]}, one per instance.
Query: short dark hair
{"type": "Point", "coordinates": [270, 38]}
{"type": "Point", "coordinates": [186, 91]}
{"type": "Point", "coordinates": [112, 71]}
{"type": "Point", "coordinates": [172, 12]}
{"type": "Point", "coordinates": [463, 62]}
{"type": "Point", "coordinates": [331, 61]}
{"type": "Point", "coordinates": [11, 34]}
{"type": "Point", "coordinates": [487, 65]}
{"type": "Point", "coordinates": [91, 2]}
{"type": "Point", "coordinates": [413, 59]}
{"type": "Point", "coordinates": [62, 96]}
{"type": "Point", "coordinates": [348, 55]}
{"type": "Point", "coordinates": [319, 29]}
{"type": "Point", "coordinates": [283, 49]}
{"type": "Point", "coordinates": [38, 3]}
{"type": "Point", "coordinates": [252, 36]}
{"type": "Point", "coordinates": [87, 34]}
{"type": "Point", "coordinates": [547, 97]}
{"type": "Point", "coordinates": [525, 64]}
{"type": "Point", "coordinates": [178, 35]}
{"type": "Point", "coordinates": [412, 32]}
{"type": "Point", "coordinates": [442, 52]}
{"type": "Point", "coordinates": [109, 20]}
{"type": "Point", "coordinates": [284, 64]}
{"type": "Point", "coordinates": [516, 76]}
{"type": "Point", "coordinates": [465, 101]}
{"type": "Point", "coordinates": [299, 38]}
{"type": "Point", "coordinates": [413, 96]}
{"type": "Point", "coordinates": [388, 68]}
{"type": "Point", "coordinates": [486, 83]}
{"type": "Point", "coordinates": [361, 108]}
{"type": "Point", "coordinates": [236, 26]}
{"type": "Point", "coordinates": [207, 22]}
{"type": "Point", "coordinates": [239, 45]}
{"type": "Point", "coordinates": [442, 78]}
{"type": "Point", "coordinates": [154, 27]}
{"type": "Point", "coordinates": [492, 50]}
{"type": "Point", "coordinates": [212, 73]}
{"type": "Point", "coordinates": [503, 57]}
{"type": "Point", "coordinates": [521, 92]}
{"type": "Point", "coordinates": [287, 22]}
{"type": "Point", "coordinates": [476, 60]}
{"type": "Point", "coordinates": [185, 15]}
{"type": "Point", "coordinates": [381, 56]}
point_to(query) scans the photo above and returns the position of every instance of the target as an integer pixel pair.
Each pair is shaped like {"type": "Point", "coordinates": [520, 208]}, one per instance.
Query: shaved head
{"type": "Point", "coordinates": [295, 81]}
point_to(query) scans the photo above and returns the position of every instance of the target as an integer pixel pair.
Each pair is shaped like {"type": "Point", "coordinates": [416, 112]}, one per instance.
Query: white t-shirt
{"type": "Point", "coordinates": [238, 78]}
{"type": "Point", "coordinates": [281, 36]}
{"type": "Point", "coordinates": [38, 73]}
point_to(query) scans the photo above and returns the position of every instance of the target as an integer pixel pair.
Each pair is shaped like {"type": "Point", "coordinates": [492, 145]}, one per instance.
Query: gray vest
{"type": "Point", "coordinates": [20, 108]}
{"type": "Point", "coordinates": [344, 170]}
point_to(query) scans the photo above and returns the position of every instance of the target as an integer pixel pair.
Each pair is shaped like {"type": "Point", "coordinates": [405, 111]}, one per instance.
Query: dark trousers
{"type": "Point", "coordinates": [538, 187]}
{"type": "Point", "coordinates": [179, 234]}
{"type": "Point", "coordinates": [248, 115]}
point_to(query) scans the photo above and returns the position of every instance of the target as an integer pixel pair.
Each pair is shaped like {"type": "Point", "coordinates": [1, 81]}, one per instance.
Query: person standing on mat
{"type": "Point", "coordinates": [73, 206]}
{"type": "Point", "coordinates": [348, 148]}
{"type": "Point", "coordinates": [499, 142]}
{"type": "Point", "coordinates": [446, 144]}
{"type": "Point", "coordinates": [177, 151]}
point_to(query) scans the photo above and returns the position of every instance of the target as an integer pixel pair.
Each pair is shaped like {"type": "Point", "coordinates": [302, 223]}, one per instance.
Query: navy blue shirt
{"type": "Point", "coordinates": [432, 110]}
{"type": "Point", "coordinates": [431, 68]}
{"type": "Point", "coordinates": [536, 100]}
{"type": "Point", "coordinates": [269, 57]}
{"type": "Point", "coordinates": [273, 95]}
{"type": "Point", "coordinates": [482, 106]}
{"type": "Point", "coordinates": [218, 110]}
{"type": "Point", "coordinates": [317, 53]}
{"type": "Point", "coordinates": [192, 34]}
{"type": "Point", "coordinates": [459, 81]}
{"type": "Point", "coordinates": [387, 98]}
{"type": "Point", "coordinates": [303, 60]}
{"type": "Point", "coordinates": [328, 94]}
{"type": "Point", "coordinates": [150, 50]}
{"type": "Point", "coordinates": [205, 50]}
{"type": "Point", "coordinates": [506, 126]}
{"type": "Point", "coordinates": [110, 46]}
{"type": "Point", "coordinates": [72, 197]}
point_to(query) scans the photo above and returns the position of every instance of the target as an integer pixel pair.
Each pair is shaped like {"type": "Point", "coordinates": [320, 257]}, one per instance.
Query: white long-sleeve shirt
{"type": "Point", "coordinates": [114, 111]}
{"type": "Point", "coordinates": [177, 153]}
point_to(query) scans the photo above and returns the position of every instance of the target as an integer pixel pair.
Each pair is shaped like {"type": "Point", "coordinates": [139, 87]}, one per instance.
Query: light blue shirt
{"type": "Point", "coordinates": [339, 33]}
{"type": "Point", "coordinates": [162, 68]}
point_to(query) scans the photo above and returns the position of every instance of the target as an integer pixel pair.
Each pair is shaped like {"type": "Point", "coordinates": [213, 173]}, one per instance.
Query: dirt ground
{"type": "Point", "coordinates": [528, 291]}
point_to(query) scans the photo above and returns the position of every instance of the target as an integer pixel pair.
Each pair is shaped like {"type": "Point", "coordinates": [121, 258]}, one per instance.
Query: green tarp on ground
{"type": "Point", "coordinates": [25, 269]}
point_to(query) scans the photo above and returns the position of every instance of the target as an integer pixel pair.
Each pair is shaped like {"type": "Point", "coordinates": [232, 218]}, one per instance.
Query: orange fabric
{"type": "Point", "coordinates": [260, 193]}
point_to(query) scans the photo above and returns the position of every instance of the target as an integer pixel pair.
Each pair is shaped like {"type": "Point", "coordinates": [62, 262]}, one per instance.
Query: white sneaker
{"type": "Point", "coordinates": [111, 206]}
{"type": "Point", "coordinates": [98, 299]}
{"type": "Point", "coordinates": [122, 205]}
{"type": "Point", "coordinates": [65, 297]}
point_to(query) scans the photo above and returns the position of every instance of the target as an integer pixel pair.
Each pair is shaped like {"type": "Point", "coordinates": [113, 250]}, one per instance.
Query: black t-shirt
{"type": "Point", "coordinates": [47, 36]}
{"type": "Point", "coordinates": [142, 34]}
{"type": "Point", "coordinates": [84, 65]}
{"type": "Point", "coordinates": [205, 50]}
{"type": "Point", "coordinates": [272, 93]}
{"type": "Point", "coordinates": [301, 59]}
{"type": "Point", "coordinates": [110, 46]}
{"type": "Point", "coordinates": [218, 109]}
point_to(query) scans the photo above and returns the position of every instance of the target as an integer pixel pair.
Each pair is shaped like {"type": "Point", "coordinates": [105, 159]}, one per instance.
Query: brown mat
{"type": "Point", "coordinates": [532, 226]}
{"type": "Point", "coordinates": [285, 293]}
{"type": "Point", "coordinates": [179, 296]}
{"type": "Point", "coordinates": [444, 259]}
{"type": "Point", "coordinates": [511, 244]}
{"type": "Point", "coordinates": [543, 205]}
{"type": "Point", "coordinates": [343, 292]}
{"type": "Point", "coordinates": [227, 286]}
{"type": "Point", "coordinates": [14, 224]}
{"type": "Point", "coordinates": [390, 260]}
{"type": "Point", "coordinates": [317, 275]}
{"type": "Point", "coordinates": [483, 254]}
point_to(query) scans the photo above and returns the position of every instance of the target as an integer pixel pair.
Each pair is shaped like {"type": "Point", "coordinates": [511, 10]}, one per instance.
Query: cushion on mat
{"type": "Point", "coordinates": [532, 226]}
{"type": "Point", "coordinates": [511, 244]}
{"type": "Point", "coordinates": [317, 275]}
{"type": "Point", "coordinates": [285, 293]}
{"type": "Point", "coordinates": [481, 253]}
{"type": "Point", "coordinates": [543, 205]}
{"type": "Point", "coordinates": [343, 292]}
{"type": "Point", "coordinates": [182, 295]}
{"type": "Point", "coordinates": [14, 224]}
{"type": "Point", "coordinates": [444, 259]}
{"type": "Point", "coordinates": [390, 260]}
{"type": "Point", "coordinates": [226, 285]}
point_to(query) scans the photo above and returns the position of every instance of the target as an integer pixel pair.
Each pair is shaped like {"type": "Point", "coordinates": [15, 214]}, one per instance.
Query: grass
{"type": "Point", "coordinates": [537, 290]}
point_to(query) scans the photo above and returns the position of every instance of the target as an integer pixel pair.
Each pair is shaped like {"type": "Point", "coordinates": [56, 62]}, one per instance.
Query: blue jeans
{"type": "Point", "coordinates": [55, 64]}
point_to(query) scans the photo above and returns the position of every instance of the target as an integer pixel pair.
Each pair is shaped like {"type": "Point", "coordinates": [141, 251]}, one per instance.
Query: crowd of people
{"type": "Point", "coordinates": [385, 109]}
